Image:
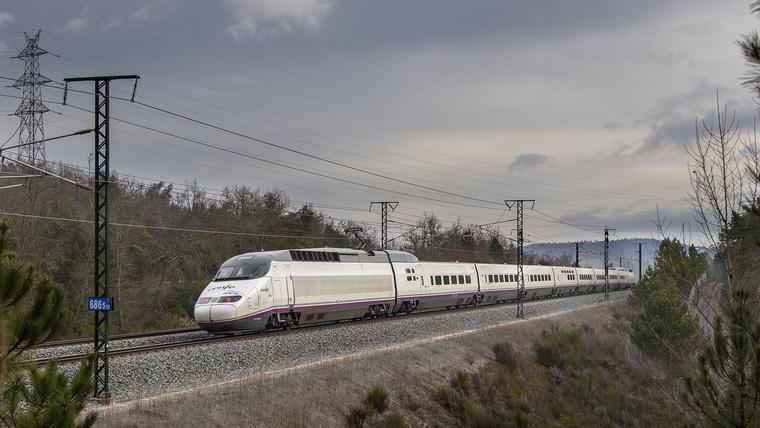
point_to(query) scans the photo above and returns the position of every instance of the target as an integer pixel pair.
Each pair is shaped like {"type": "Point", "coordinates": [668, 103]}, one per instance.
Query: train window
{"type": "Point", "coordinates": [445, 280]}
{"type": "Point", "coordinates": [408, 278]}
{"type": "Point", "coordinates": [461, 279]}
{"type": "Point", "coordinates": [255, 267]}
{"type": "Point", "coordinates": [438, 280]}
{"type": "Point", "coordinates": [413, 271]}
{"type": "Point", "coordinates": [468, 279]}
{"type": "Point", "coordinates": [454, 279]}
{"type": "Point", "coordinates": [501, 278]}
{"type": "Point", "coordinates": [490, 278]}
{"type": "Point", "coordinates": [431, 280]}
{"type": "Point", "coordinates": [407, 270]}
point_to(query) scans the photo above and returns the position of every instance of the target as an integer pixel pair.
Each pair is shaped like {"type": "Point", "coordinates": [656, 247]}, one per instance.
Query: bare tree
{"type": "Point", "coordinates": [717, 180]}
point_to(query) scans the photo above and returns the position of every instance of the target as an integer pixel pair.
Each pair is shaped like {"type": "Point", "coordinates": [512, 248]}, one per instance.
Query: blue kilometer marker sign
{"type": "Point", "coordinates": [100, 304]}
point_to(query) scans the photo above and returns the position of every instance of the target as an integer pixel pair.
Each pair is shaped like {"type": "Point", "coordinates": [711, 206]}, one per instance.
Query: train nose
{"type": "Point", "coordinates": [203, 313]}
{"type": "Point", "coordinates": [215, 313]}
{"type": "Point", "coordinates": [222, 313]}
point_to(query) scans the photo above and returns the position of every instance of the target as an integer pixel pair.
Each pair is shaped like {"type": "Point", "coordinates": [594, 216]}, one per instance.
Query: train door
{"type": "Point", "coordinates": [282, 286]}
{"type": "Point", "coordinates": [253, 300]}
{"type": "Point", "coordinates": [290, 291]}
{"type": "Point", "coordinates": [419, 277]}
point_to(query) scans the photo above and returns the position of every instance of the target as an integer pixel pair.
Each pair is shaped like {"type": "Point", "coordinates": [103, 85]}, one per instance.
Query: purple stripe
{"type": "Point", "coordinates": [279, 309]}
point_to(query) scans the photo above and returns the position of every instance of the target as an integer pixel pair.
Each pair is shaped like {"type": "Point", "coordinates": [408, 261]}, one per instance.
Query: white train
{"type": "Point", "coordinates": [279, 289]}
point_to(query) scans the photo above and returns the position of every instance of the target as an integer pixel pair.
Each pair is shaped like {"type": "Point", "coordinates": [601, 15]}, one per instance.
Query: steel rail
{"type": "Point", "coordinates": [246, 335]}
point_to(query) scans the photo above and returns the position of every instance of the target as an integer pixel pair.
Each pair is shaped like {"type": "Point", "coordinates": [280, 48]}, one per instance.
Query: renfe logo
{"type": "Point", "coordinates": [222, 287]}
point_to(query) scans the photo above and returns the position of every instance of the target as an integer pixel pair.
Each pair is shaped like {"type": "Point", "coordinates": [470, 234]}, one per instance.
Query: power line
{"type": "Point", "coordinates": [426, 151]}
{"type": "Point", "coordinates": [173, 229]}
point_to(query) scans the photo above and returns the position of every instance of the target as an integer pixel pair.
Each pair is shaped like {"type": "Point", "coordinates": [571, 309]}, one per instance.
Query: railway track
{"type": "Point", "coordinates": [239, 336]}
{"type": "Point", "coordinates": [86, 340]}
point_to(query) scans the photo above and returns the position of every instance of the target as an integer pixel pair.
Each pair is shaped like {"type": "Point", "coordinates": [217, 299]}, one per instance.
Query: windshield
{"type": "Point", "coordinates": [243, 267]}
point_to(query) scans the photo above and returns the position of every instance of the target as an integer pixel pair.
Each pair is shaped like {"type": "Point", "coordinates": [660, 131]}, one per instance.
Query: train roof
{"type": "Point", "coordinates": [327, 254]}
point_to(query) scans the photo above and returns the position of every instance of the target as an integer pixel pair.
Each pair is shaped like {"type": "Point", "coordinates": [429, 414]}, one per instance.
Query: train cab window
{"type": "Point", "coordinates": [461, 279]}
{"type": "Point", "coordinates": [244, 267]}
{"type": "Point", "coordinates": [438, 280]}
{"type": "Point", "coordinates": [468, 279]}
{"type": "Point", "coordinates": [445, 280]}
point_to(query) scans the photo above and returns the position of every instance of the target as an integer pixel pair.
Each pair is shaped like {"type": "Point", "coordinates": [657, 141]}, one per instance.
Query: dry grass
{"type": "Point", "coordinates": [324, 393]}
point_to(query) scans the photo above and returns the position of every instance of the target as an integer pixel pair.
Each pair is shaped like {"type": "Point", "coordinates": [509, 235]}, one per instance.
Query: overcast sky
{"type": "Point", "coordinates": [583, 105]}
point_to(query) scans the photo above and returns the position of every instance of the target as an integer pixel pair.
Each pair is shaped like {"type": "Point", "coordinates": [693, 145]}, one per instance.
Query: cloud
{"type": "Point", "coordinates": [153, 11]}
{"type": "Point", "coordinates": [674, 120]}
{"type": "Point", "coordinates": [257, 18]}
{"type": "Point", "coordinates": [528, 160]}
{"type": "Point", "coordinates": [612, 124]}
{"type": "Point", "coordinates": [79, 22]}
{"type": "Point", "coordinates": [105, 26]}
{"type": "Point", "coordinates": [75, 24]}
{"type": "Point", "coordinates": [6, 18]}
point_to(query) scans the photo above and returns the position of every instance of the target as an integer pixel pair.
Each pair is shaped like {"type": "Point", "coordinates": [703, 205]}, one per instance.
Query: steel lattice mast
{"type": "Point", "coordinates": [520, 255]}
{"type": "Point", "coordinates": [31, 109]}
{"type": "Point", "coordinates": [102, 178]}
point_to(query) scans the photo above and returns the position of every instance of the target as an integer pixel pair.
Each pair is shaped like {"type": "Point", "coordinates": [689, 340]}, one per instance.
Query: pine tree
{"type": "Point", "coordinates": [31, 310]}
{"type": "Point", "coordinates": [725, 391]}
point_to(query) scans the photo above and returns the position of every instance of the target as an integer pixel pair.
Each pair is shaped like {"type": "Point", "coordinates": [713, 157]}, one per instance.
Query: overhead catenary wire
{"type": "Point", "coordinates": [552, 187]}
{"type": "Point", "coordinates": [174, 229]}
{"type": "Point", "coordinates": [323, 175]}
{"type": "Point", "coordinates": [237, 111]}
{"type": "Point", "coordinates": [188, 118]}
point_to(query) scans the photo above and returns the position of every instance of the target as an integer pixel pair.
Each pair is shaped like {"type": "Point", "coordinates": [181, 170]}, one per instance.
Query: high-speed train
{"type": "Point", "coordinates": [278, 289]}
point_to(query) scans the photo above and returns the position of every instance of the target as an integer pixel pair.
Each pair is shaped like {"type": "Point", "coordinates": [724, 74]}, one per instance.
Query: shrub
{"type": "Point", "coordinates": [505, 355]}
{"type": "Point", "coordinates": [560, 349]}
{"type": "Point", "coordinates": [377, 399]}
{"type": "Point", "coordinates": [356, 417]}
{"type": "Point", "coordinates": [394, 420]}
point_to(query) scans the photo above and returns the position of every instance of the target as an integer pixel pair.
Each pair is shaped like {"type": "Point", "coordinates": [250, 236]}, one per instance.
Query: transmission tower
{"type": "Point", "coordinates": [520, 240]}
{"type": "Point", "coordinates": [32, 108]}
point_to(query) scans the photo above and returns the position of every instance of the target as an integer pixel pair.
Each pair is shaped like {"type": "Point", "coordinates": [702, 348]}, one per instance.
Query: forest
{"type": "Point", "coordinates": [166, 240]}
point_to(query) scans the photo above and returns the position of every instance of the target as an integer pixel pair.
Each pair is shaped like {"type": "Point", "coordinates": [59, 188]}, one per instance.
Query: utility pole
{"type": "Point", "coordinates": [577, 259]}
{"type": "Point", "coordinates": [518, 203]}
{"type": "Point", "coordinates": [384, 220]}
{"type": "Point", "coordinates": [30, 111]}
{"type": "Point", "coordinates": [640, 262]}
{"type": "Point", "coordinates": [607, 262]}
{"type": "Point", "coordinates": [102, 176]}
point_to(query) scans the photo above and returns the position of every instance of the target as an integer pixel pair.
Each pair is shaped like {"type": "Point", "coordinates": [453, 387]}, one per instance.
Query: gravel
{"type": "Point", "coordinates": [143, 375]}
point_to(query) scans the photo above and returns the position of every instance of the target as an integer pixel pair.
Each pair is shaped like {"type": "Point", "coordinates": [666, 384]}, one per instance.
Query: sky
{"type": "Point", "coordinates": [585, 106]}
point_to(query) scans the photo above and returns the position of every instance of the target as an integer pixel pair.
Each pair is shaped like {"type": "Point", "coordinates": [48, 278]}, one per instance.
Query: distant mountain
{"type": "Point", "coordinates": [623, 252]}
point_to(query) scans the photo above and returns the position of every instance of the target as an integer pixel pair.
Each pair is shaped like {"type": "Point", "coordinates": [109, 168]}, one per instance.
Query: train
{"type": "Point", "coordinates": [281, 289]}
